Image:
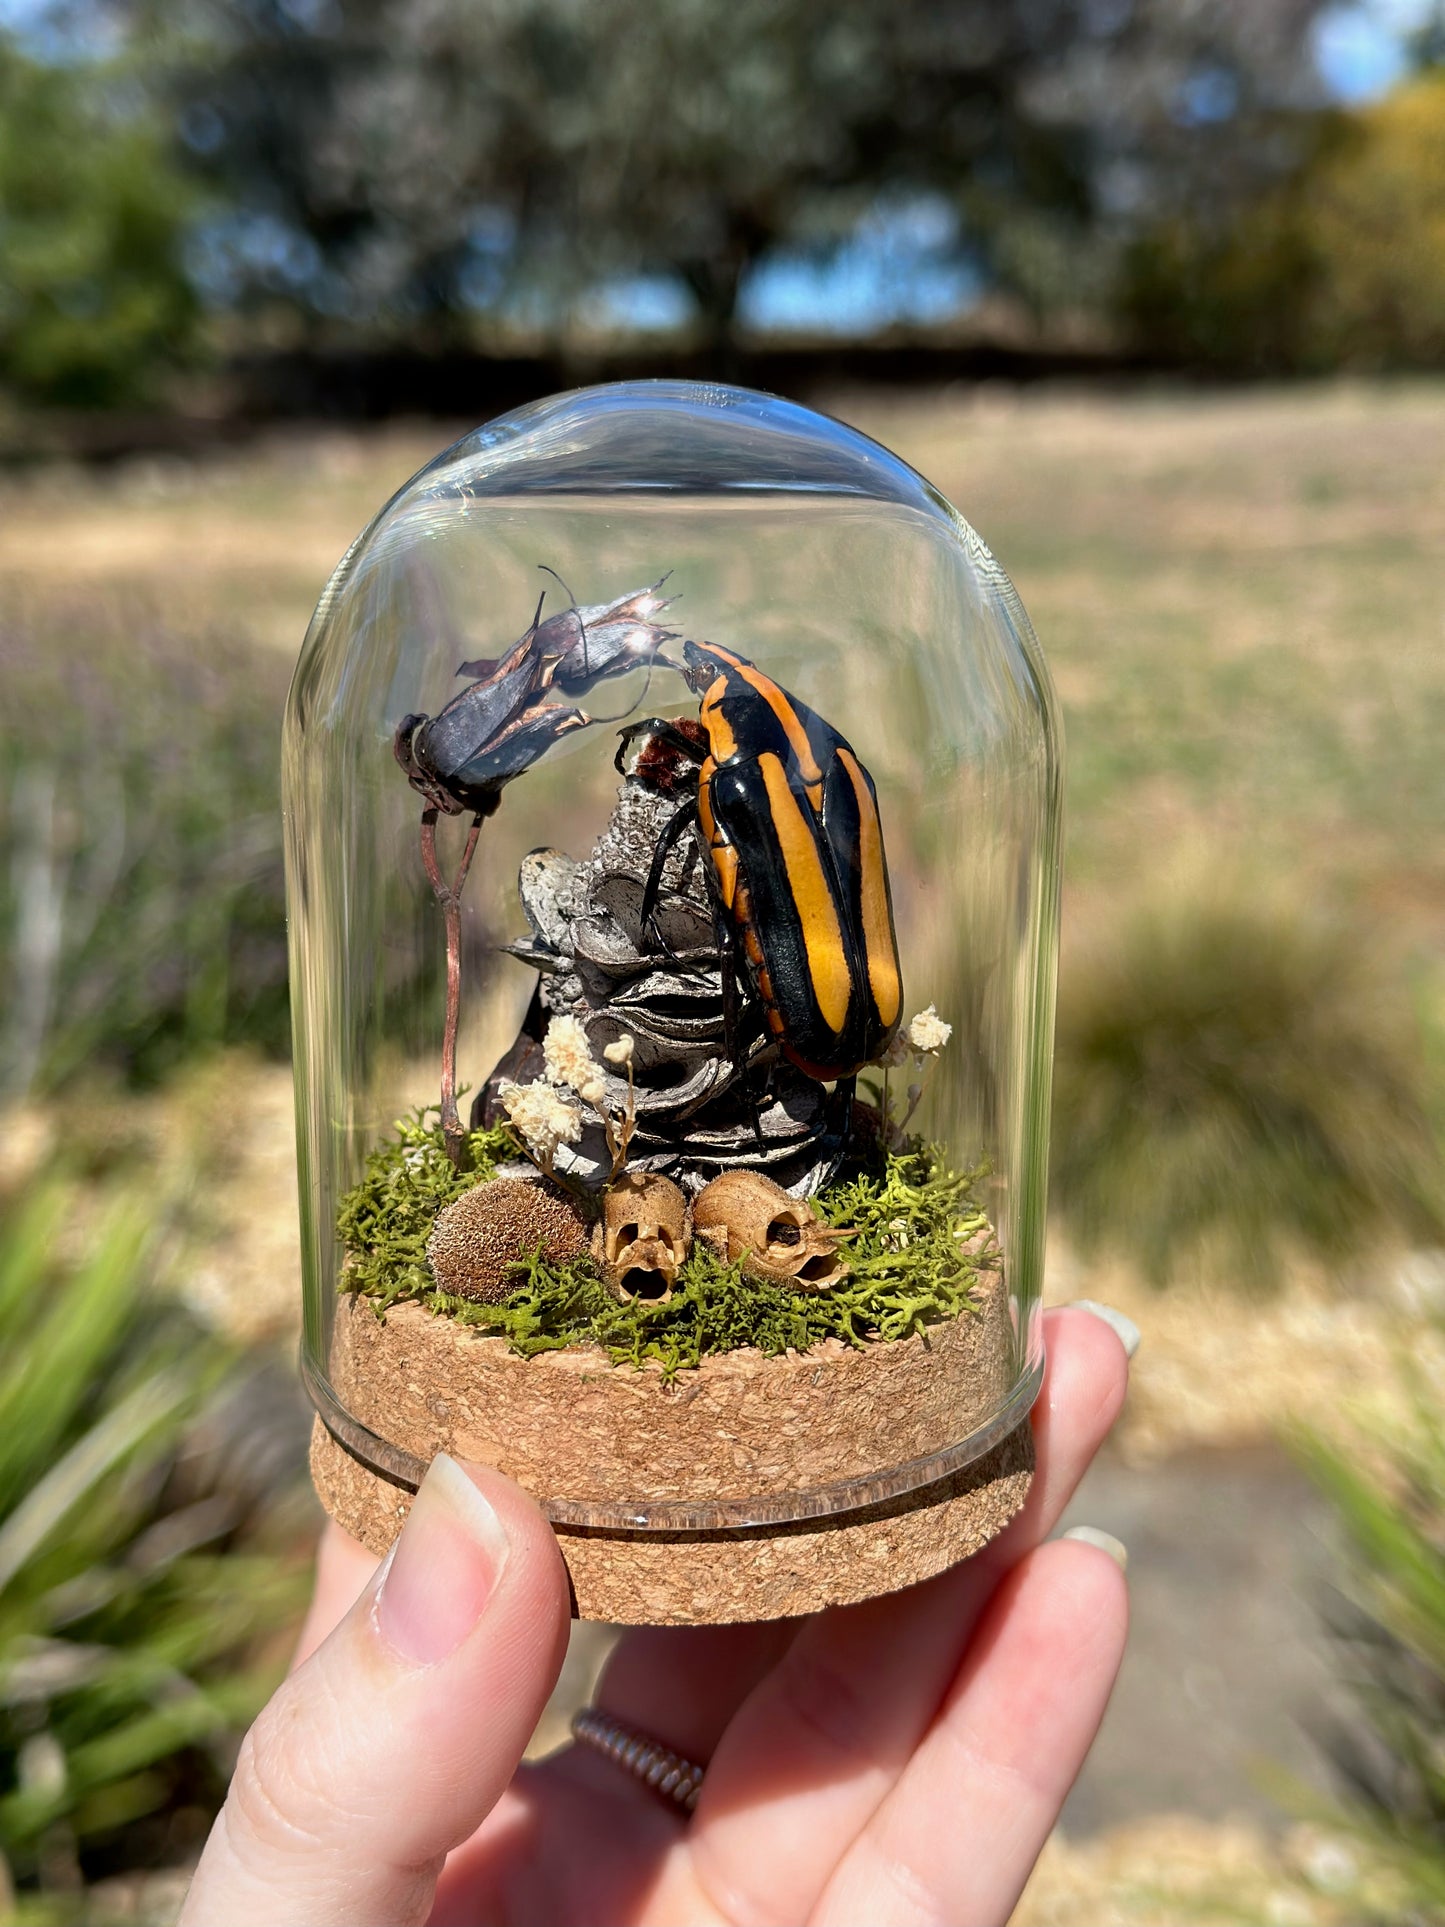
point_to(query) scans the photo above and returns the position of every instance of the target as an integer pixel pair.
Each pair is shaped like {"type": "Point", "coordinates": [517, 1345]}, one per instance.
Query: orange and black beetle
{"type": "Point", "coordinates": [789, 819]}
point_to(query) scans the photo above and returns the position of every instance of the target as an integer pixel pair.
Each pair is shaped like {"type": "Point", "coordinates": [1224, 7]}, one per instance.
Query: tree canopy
{"type": "Point", "coordinates": [405, 165]}
{"type": "Point", "coordinates": [93, 293]}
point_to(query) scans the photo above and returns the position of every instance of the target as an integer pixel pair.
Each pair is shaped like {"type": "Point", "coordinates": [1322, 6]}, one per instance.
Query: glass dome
{"type": "Point", "coordinates": [672, 802]}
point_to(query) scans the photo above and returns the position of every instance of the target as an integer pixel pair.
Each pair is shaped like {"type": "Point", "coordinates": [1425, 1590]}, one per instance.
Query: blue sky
{"type": "Point", "coordinates": [1360, 49]}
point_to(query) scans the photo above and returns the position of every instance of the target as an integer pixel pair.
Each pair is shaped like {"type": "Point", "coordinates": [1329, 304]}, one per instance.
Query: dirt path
{"type": "Point", "coordinates": [1228, 1669]}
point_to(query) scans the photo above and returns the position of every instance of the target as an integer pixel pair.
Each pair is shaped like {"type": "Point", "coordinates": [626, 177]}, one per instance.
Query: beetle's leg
{"type": "Point", "coordinates": [838, 1125]}
{"type": "Point", "coordinates": [685, 818]}
{"type": "Point", "coordinates": [727, 959]}
{"type": "Point", "coordinates": [665, 731]}
{"type": "Point", "coordinates": [845, 1093]}
{"type": "Point", "coordinates": [755, 1112]}
{"type": "Point", "coordinates": [730, 972]}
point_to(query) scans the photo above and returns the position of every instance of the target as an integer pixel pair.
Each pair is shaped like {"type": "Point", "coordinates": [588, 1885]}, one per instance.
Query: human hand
{"type": "Point", "coordinates": [886, 1764]}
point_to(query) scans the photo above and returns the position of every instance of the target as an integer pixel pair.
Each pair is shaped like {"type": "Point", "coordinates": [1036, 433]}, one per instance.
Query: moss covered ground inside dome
{"type": "Point", "coordinates": [920, 1247]}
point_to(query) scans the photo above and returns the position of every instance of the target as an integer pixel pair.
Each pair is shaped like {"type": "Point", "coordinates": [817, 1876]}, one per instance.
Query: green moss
{"type": "Point", "coordinates": [913, 1219]}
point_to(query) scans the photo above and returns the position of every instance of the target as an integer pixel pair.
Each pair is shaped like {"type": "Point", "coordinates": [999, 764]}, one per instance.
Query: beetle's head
{"type": "Point", "coordinates": [701, 666]}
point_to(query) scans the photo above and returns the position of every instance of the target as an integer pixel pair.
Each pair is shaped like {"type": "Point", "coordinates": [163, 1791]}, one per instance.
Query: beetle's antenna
{"type": "Point", "coordinates": [540, 600]}
{"type": "Point", "coordinates": [631, 706]}
{"type": "Point", "coordinates": [548, 570]}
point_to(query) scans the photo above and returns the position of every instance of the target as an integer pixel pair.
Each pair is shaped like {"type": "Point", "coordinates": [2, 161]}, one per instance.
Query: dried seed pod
{"type": "Point", "coordinates": [477, 1240]}
{"type": "Point", "coordinates": [644, 1236]}
{"type": "Point", "coordinates": [777, 1237]}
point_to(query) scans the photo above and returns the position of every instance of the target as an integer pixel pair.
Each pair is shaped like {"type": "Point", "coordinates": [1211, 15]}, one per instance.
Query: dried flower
{"type": "Point", "coordinates": [621, 1052]}
{"type": "Point", "coordinates": [568, 1055]}
{"type": "Point", "coordinates": [544, 1117]}
{"type": "Point", "coordinates": [927, 1033]}
{"type": "Point", "coordinates": [897, 1053]}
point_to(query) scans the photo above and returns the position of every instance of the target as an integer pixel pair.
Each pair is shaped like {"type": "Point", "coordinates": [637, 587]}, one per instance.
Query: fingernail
{"type": "Point", "coordinates": [1105, 1541]}
{"type": "Point", "coordinates": [443, 1569]}
{"type": "Point", "coordinates": [1124, 1329]}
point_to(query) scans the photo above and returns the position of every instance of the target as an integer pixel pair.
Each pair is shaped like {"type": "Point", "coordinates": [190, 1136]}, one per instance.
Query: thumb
{"type": "Point", "coordinates": [397, 1737]}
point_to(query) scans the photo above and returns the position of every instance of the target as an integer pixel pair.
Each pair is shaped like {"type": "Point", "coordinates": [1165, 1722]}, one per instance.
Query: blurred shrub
{"type": "Point", "coordinates": [141, 903]}
{"type": "Point", "coordinates": [1392, 1763]}
{"type": "Point", "coordinates": [94, 306]}
{"type": "Point", "coordinates": [134, 1587]}
{"type": "Point", "coordinates": [1236, 1077]}
{"type": "Point", "coordinates": [1236, 298]}
{"type": "Point", "coordinates": [1376, 220]}
{"type": "Point", "coordinates": [1343, 265]}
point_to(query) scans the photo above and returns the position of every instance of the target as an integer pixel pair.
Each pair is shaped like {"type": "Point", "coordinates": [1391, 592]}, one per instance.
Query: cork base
{"type": "Point", "coordinates": [570, 1425]}
{"type": "Point", "coordinates": [755, 1572]}
{"type": "Point", "coordinates": [719, 1457]}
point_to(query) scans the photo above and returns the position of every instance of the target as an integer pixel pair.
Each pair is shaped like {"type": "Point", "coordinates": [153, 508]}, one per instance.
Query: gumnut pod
{"type": "Point", "coordinates": [643, 1237]}
{"type": "Point", "coordinates": [478, 1242]}
{"type": "Point", "coordinates": [774, 1236]}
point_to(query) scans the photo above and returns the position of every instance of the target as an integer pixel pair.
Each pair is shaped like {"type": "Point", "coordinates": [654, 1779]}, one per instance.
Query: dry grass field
{"type": "Point", "coordinates": [1240, 594]}
{"type": "Point", "coordinates": [1242, 599]}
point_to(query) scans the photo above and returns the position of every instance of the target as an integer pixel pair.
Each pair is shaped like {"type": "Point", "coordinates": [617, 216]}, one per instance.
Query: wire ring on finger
{"type": "Point", "coordinates": [657, 1766]}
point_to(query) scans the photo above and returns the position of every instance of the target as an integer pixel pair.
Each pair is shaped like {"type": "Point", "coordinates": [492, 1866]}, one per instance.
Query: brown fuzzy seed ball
{"type": "Point", "coordinates": [476, 1239]}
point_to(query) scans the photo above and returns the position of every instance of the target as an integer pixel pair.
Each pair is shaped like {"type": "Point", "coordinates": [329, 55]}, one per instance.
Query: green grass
{"type": "Point", "coordinates": [911, 1218]}
{"type": "Point", "coordinates": [1389, 1501]}
{"type": "Point", "coordinates": [136, 1586]}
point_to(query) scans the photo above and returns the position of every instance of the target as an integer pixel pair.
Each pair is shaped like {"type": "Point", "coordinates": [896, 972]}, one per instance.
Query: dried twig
{"type": "Point", "coordinates": [449, 896]}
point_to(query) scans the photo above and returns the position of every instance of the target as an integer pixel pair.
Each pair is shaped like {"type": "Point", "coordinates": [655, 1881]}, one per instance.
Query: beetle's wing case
{"type": "Point", "coordinates": [853, 835]}
{"type": "Point", "coordinates": [747, 714]}
{"type": "Point", "coordinates": [803, 957]}
{"type": "Point", "coordinates": [791, 819]}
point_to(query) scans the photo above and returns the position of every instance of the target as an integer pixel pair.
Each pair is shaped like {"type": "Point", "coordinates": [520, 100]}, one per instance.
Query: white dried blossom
{"type": "Point", "coordinates": [568, 1054]}
{"type": "Point", "coordinates": [927, 1033]}
{"type": "Point", "coordinates": [594, 1092]}
{"type": "Point", "coordinates": [621, 1052]}
{"type": "Point", "coordinates": [543, 1116]}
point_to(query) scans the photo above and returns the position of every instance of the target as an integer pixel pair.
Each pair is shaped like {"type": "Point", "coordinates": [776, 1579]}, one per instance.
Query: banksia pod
{"type": "Point", "coordinates": [477, 1242]}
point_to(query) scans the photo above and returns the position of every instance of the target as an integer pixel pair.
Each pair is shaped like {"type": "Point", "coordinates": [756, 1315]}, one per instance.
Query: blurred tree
{"type": "Point", "coordinates": [401, 166]}
{"type": "Point", "coordinates": [1374, 220]}
{"type": "Point", "coordinates": [94, 302]}
{"type": "Point", "coordinates": [1340, 264]}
